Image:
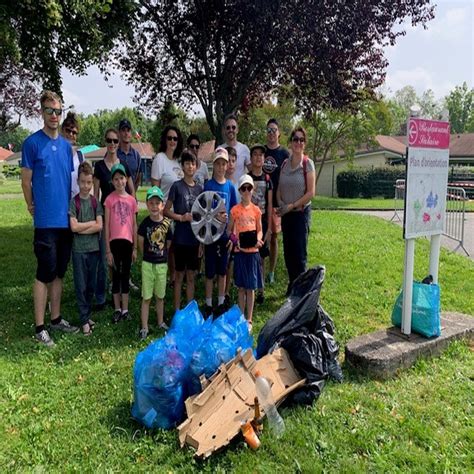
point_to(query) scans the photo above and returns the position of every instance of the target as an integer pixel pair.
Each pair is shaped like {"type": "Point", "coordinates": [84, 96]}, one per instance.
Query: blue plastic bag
{"type": "Point", "coordinates": [425, 312]}
{"type": "Point", "coordinates": [168, 370]}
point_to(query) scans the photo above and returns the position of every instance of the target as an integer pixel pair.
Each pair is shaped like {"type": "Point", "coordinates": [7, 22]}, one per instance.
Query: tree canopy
{"type": "Point", "coordinates": [460, 103]}
{"type": "Point", "coordinates": [42, 36]}
{"type": "Point", "coordinates": [226, 54]}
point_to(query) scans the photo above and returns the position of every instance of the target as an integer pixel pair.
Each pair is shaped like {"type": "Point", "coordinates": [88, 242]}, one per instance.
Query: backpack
{"type": "Point", "coordinates": [77, 202]}
{"type": "Point", "coordinates": [305, 170]}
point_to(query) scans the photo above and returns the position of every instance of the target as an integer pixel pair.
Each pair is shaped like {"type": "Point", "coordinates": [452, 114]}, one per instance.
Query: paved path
{"type": "Point", "coordinates": [445, 242]}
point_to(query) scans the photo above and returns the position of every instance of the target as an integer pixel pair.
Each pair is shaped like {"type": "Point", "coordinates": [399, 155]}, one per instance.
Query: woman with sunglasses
{"type": "Point", "coordinates": [193, 143]}
{"type": "Point", "coordinates": [166, 169]}
{"type": "Point", "coordinates": [102, 188]}
{"type": "Point", "coordinates": [70, 130]}
{"type": "Point", "coordinates": [294, 193]}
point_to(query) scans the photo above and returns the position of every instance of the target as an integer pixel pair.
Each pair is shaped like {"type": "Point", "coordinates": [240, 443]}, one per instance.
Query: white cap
{"type": "Point", "coordinates": [245, 179]}
{"type": "Point", "coordinates": [220, 153]}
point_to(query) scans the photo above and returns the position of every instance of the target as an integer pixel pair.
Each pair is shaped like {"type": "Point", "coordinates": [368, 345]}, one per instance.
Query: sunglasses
{"type": "Point", "coordinates": [51, 111]}
{"type": "Point", "coordinates": [172, 139]}
{"type": "Point", "coordinates": [194, 147]}
{"type": "Point", "coordinates": [112, 140]}
{"type": "Point", "coordinates": [298, 140]}
{"type": "Point", "coordinates": [245, 187]}
{"type": "Point", "coordinates": [70, 131]}
{"type": "Point", "coordinates": [231, 127]}
{"type": "Point", "coordinates": [272, 130]}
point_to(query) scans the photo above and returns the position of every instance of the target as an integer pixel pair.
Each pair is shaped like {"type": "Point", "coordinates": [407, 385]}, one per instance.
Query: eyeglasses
{"type": "Point", "coordinates": [272, 130]}
{"type": "Point", "coordinates": [245, 187]}
{"type": "Point", "coordinates": [172, 139]}
{"type": "Point", "coordinates": [194, 147]}
{"type": "Point", "coordinates": [231, 127]}
{"type": "Point", "coordinates": [298, 140]}
{"type": "Point", "coordinates": [70, 131]}
{"type": "Point", "coordinates": [52, 110]}
{"type": "Point", "coordinates": [112, 140]}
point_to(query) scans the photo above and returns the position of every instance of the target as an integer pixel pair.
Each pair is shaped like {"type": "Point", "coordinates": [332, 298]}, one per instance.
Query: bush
{"type": "Point", "coordinates": [11, 171]}
{"type": "Point", "coordinates": [368, 183]}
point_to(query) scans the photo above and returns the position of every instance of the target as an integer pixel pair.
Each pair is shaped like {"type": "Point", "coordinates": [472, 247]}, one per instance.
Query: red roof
{"type": "Point", "coordinates": [4, 153]}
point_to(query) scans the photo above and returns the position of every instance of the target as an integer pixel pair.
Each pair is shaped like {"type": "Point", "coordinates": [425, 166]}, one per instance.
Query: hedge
{"type": "Point", "coordinates": [368, 183]}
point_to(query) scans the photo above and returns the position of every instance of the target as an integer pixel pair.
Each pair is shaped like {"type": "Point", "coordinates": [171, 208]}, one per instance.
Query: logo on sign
{"type": "Point", "coordinates": [412, 132]}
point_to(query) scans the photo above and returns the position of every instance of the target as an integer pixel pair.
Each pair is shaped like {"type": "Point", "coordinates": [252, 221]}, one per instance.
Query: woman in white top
{"type": "Point", "coordinates": [69, 130]}
{"type": "Point", "coordinates": [166, 169]}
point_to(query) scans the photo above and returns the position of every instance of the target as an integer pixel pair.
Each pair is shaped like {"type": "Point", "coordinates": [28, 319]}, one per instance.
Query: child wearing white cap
{"type": "Point", "coordinates": [245, 228]}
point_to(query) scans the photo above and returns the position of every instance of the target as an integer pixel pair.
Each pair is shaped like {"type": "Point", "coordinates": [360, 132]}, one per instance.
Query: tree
{"type": "Point", "coordinates": [14, 139]}
{"type": "Point", "coordinates": [333, 132]}
{"type": "Point", "coordinates": [460, 103]}
{"type": "Point", "coordinates": [228, 54]}
{"type": "Point", "coordinates": [18, 96]}
{"type": "Point", "coordinates": [42, 36]}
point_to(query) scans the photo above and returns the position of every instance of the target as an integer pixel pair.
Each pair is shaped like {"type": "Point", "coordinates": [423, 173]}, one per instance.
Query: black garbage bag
{"type": "Point", "coordinates": [306, 332]}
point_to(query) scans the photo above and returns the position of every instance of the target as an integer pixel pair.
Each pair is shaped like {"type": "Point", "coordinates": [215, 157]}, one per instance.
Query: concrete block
{"type": "Point", "coordinates": [382, 353]}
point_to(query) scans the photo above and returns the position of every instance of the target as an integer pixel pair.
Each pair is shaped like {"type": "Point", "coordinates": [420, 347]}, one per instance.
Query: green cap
{"type": "Point", "coordinates": [155, 191]}
{"type": "Point", "coordinates": [118, 168]}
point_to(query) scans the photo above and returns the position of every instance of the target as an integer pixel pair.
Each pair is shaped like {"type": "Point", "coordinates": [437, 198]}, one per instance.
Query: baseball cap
{"type": "Point", "coordinates": [155, 191]}
{"type": "Point", "coordinates": [220, 153]}
{"type": "Point", "coordinates": [256, 147]}
{"type": "Point", "coordinates": [245, 179]}
{"type": "Point", "coordinates": [118, 168]}
{"type": "Point", "coordinates": [124, 123]}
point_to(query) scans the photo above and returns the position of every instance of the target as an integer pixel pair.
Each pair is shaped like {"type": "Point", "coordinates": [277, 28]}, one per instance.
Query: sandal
{"type": "Point", "coordinates": [91, 324]}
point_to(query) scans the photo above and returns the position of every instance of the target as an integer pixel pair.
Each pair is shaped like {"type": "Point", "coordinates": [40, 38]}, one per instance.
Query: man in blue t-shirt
{"type": "Point", "coordinates": [127, 153]}
{"type": "Point", "coordinates": [216, 254]}
{"type": "Point", "coordinates": [47, 163]}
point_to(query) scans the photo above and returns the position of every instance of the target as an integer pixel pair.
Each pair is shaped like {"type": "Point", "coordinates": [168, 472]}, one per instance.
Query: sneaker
{"type": "Point", "coordinates": [221, 309]}
{"type": "Point", "coordinates": [64, 326]}
{"type": "Point", "coordinates": [208, 311]}
{"type": "Point", "coordinates": [163, 326]}
{"type": "Point", "coordinates": [143, 334]}
{"type": "Point", "coordinates": [126, 316]}
{"type": "Point", "coordinates": [117, 316]}
{"type": "Point", "coordinates": [271, 278]}
{"type": "Point", "coordinates": [132, 285]}
{"type": "Point", "coordinates": [259, 299]}
{"type": "Point", "coordinates": [44, 338]}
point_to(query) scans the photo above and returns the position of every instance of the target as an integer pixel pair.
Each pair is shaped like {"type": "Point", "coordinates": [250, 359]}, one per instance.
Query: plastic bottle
{"type": "Point", "coordinates": [265, 397]}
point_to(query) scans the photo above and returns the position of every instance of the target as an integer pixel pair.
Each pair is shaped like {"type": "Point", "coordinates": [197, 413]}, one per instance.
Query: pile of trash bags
{"type": "Point", "coordinates": [306, 332]}
{"type": "Point", "coordinates": [167, 371]}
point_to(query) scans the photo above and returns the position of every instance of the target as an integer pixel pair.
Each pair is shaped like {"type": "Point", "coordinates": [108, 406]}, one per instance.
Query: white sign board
{"type": "Point", "coordinates": [427, 177]}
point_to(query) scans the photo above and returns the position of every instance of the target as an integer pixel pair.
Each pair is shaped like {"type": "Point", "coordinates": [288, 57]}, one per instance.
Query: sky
{"type": "Point", "coordinates": [438, 58]}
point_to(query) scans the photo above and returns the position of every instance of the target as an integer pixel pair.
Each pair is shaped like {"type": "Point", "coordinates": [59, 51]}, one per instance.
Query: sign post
{"type": "Point", "coordinates": [425, 198]}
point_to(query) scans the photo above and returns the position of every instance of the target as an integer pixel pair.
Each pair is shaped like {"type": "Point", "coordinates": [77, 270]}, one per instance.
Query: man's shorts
{"type": "Point", "coordinates": [186, 257]}
{"type": "Point", "coordinates": [276, 222]}
{"type": "Point", "coordinates": [52, 247]}
{"type": "Point", "coordinates": [216, 255]}
{"type": "Point", "coordinates": [154, 280]}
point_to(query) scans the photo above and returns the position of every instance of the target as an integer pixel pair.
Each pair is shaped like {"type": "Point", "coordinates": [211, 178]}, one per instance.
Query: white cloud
{"type": "Point", "coordinates": [420, 78]}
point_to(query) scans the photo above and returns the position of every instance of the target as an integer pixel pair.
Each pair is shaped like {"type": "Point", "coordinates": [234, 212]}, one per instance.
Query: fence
{"type": "Point", "coordinates": [455, 211]}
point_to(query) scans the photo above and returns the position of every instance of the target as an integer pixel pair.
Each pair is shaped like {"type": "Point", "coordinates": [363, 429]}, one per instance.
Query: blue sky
{"type": "Point", "coordinates": [438, 58]}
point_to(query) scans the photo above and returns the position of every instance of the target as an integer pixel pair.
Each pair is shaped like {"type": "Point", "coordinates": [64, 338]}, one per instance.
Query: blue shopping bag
{"type": "Point", "coordinates": [425, 310]}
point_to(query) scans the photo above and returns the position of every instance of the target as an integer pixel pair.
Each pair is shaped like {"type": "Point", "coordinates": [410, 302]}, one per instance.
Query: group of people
{"type": "Point", "coordinates": [91, 214]}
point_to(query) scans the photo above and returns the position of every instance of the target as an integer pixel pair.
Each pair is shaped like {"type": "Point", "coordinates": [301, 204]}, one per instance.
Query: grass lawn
{"type": "Point", "coordinates": [10, 186]}
{"type": "Point", "coordinates": [68, 408]}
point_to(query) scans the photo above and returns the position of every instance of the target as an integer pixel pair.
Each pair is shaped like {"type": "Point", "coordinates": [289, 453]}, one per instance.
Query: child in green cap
{"type": "Point", "coordinates": [154, 240]}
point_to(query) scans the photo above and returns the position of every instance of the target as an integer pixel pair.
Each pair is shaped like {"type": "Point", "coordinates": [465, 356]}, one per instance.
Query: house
{"type": "Point", "coordinates": [387, 151]}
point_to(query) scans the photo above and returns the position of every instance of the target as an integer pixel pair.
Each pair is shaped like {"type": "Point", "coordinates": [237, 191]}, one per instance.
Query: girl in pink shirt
{"type": "Point", "coordinates": [120, 240]}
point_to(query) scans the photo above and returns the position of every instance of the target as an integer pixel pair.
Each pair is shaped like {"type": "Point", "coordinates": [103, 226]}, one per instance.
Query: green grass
{"type": "Point", "coordinates": [68, 408]}
{"type": "Point", "coordinates": [10, 186]}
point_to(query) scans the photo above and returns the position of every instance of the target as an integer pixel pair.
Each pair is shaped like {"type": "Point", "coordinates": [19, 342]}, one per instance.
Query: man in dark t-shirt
{"type": "Point", "coordinates": [275, 155]}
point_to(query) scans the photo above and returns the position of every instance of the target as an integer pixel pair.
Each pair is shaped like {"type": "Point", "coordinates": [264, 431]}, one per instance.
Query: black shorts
{"type": "Point", "coordinates": [216, 256]}
{"type": "Point", "coordinates": [52, 248]}
{"type": "Point", "coordinates": [186, 257]}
